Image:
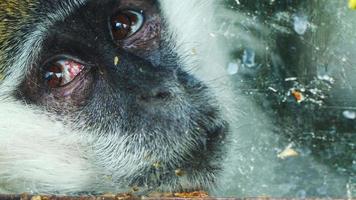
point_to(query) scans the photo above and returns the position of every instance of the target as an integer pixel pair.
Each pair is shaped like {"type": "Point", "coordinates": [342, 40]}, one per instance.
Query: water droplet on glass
{"type": "Point", "coordinates": [248, 58]}
{"type": "Point", "coordinates": [300, 24]}
{"type": "Point", "coordinates": [349, 114]}
{"type": "Point", "coordinates": [232, 68]}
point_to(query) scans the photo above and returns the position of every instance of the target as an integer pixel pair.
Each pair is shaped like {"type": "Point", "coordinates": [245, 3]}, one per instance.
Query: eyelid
{"type": "Point", "coordinates": [66, 57]}
{"type": "Point", "coordinates": [125, 9]}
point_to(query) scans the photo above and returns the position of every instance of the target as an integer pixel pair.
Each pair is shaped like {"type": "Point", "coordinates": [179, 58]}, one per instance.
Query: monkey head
{"type": "Point", "coordinates": [116, 79]}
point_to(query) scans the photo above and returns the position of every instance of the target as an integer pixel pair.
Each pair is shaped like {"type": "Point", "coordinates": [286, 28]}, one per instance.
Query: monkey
{"type": "Point", "coordinates": [121, 95]}
{"type": "Point", "coordinates": [116, 58]}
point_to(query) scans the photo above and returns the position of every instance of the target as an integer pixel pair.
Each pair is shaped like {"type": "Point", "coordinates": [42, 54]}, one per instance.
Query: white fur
{"type": "Point", "coordinates": [37, 154]}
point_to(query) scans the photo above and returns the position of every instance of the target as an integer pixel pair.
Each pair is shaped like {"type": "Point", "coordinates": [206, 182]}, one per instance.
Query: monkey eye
{"type": "Point", "coordinates": [62, 72]}
{"type": "Point", "coordinates": [125, 24]}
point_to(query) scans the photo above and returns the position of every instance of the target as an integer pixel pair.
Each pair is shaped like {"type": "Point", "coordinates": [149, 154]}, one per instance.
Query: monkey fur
{"type": "Point", "coordinates": [148, 107]}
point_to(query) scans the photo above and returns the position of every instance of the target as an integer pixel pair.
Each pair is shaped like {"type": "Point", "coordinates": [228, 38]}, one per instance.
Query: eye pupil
{"type": "Point", "coordinates": [121, 26]}
{"type": "Point", "coordinates": [125, 24]}
{"type": "Point", "coordinates": [54, 76]}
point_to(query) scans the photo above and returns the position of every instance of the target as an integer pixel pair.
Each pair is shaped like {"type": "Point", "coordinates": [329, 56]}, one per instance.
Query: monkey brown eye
{"type": "Point", "coordinates": [62, 72]}
{"type": "Point", "coordinates": [126, 23]}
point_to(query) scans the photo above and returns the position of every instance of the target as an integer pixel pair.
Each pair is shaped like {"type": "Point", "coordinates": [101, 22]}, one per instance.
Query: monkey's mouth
{"type": "Point", "coordinates": [182, 160]}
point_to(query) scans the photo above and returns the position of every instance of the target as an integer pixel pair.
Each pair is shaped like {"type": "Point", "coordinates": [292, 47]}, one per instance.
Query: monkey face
{"type": "Point", "coordinates": [138, 95]}
{"type": "Point", "coordinates": [110, 72]}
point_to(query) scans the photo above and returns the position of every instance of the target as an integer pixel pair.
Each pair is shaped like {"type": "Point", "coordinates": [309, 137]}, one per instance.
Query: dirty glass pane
{"type": "Point", "coordinates": [297, 63]}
